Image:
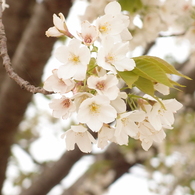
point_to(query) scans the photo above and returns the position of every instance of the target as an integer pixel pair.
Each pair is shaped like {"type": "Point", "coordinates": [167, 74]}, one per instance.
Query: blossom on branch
{"type": "Point", "coordinates": [89, 33]}
{"type": "Point", "coordinates": [75, 57]}
{"type": "Point", "coordinates": [95, 111]}
{"type": "Point", "coordinates": [60, 28]}
{"type": "Point", "coordinates": [78, 134]}
{"type": "Point", "coordinates": [126, 125]}
{"type": "Point", "coordinates": [114, 23]}
{"type": "Point", "coordinates": [114, 56]}
{"type": "Point", "coordinates": [105, 85]}
{"type": "Point", "coordinates": [147, 134]}
{"type": "Point", "coordinates": [59, 85]}
{"type": "Point", "coordinates": [92, 67]}
{"type": "Point", "coordinates": [105, 135]}
{"type": "Point", "coordinates": [62, 107]}
{"type": "Point", "coordinates": [159, 116]}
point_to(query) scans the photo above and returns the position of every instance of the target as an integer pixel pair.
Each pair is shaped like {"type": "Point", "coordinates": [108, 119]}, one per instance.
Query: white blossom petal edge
{"type": "Point", "coordinates": [78, 134]}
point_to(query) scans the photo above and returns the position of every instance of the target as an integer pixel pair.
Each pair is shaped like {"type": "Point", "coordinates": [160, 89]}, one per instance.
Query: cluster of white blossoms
{"type": "Point", "coordinates": [89, 72]}
{"type": "Point", "coordinates": [154, 16]}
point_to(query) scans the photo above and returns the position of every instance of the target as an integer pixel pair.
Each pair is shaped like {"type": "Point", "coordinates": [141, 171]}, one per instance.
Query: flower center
{"type": "Point", "coordinates": [88, 39]}
{"type": "Point", "coordinates": [109, 58]}
{"type": "Point", "coordinates": [94, 108]}
{"type": "Point", "coordinates": [100, 85]}
{"type": "Point", "coordinates": [124, 121]}
{"type": "Point", "coordinates": [104, 28]}
{"type": "Point", "coordinates": [75, 59]}
{"type": "Point", "coordinates": [66, 103]}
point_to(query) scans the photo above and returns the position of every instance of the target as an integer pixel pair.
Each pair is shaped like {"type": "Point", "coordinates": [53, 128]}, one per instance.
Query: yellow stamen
{"type": "Point", "coordinates": [75, 59]}
{"type": "Point", "coordinates": [94, 108]}
{"type": "Point", "coordinates": [104, 28]}
{"type": "Point", "coordinates": [109, 58]}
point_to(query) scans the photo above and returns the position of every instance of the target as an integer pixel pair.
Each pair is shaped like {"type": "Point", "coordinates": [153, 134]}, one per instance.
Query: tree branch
{"type": "Point", "coordinates": [15, 20]}
{"type": "Point", "coordinates": [7, 64]}
{"type": "Point", "coordinates": [52, 175]}
{"type": "Point", "coordinates": [172, 35]}
{"type": "Point", "coordinates": [108, 167]}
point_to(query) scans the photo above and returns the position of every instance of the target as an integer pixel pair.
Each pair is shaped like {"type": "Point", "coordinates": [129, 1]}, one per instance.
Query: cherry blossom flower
{"type": "Point", "coordinates": [105, 85]}
{"type": "Point", "coordinates": [113, 23]}
{"type": "Point", "coordinates": [161, 117]}
{"type": "Point", "coordinates": [105, 135]}
{"type": "Point", "coordinates": [62, 107]}
{"type": "Point", "coordinates": [80, 97]}
{"type": "Point", "coordinates": [95, 111]}
{"type": "Point", "coordinates": [147, 135]}
{"type": "Point", "coordinates": [113, 56]}
{"type": "Point", "coordinates": [89, 33]}
{"type": "Point", "coordinates": [59, 28]}
{"type": "Point", "coordinates": [114, 9]}
{"type": "Point", "coordinates": [75, 57]}
{"type": "Point", "coordinates": [53, 83]}
{"type": "Point", "coordinates": [109, 26]}
{"type": "Point", "coordinates": [78, 134]}
{"type": "Point", "coordinates": [126, 125]}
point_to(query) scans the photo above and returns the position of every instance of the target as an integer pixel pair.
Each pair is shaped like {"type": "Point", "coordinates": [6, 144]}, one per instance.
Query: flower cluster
{"type": "Point", "coordinates": [89, 72]}
{"type": "Point", "coordinates": [154, 16]}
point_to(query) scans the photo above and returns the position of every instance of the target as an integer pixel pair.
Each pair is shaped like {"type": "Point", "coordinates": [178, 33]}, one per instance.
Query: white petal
{"type": "Point", "coordinates": [53, 32]}
{"type": "Point", "coordinates": [65, 72]}
{"type": "Point", "coordinates": [119, 105]}
{"type": "Point", "coordinates": [146, 145]}
{"type": "Point", "coordinates": [70, 140]}
{"type": "Point", "coordinates": [112, 8]}
{"type": "Point", "coordinates": [78, 128]}
{"type": "Point", "coordinates": [83, 142]}
{"type": "Point", "coordinates": [58, 22]}
{"type": "Point", "coordinates": [94, 124]}
{"type": "Point", "coordinates": [61, 53]}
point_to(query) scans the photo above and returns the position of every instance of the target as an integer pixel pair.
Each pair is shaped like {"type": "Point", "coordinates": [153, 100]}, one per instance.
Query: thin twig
{"type": "Point", "coordinates": [7, 63]}
{"type": "Point", "coordinates": [151, 44]}
{"type": "Point", "coordinates": [148, 47]}
{"type": "Point", "coordinates": [172, 35]}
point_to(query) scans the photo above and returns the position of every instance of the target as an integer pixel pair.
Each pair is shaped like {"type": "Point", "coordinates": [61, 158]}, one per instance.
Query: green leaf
{"type": "Point", "coordinates": [176, 84]}
{"type": "Point", "coordinates": [168, 68]}
{"type": "Point", "coordinates": [145, 86]}
{"type": "Point", "coordinates": [131, 5]}
{"type": "Point", "coordinates": [149, 69]}
{"type": "Point", "coordinates": [129, 77]}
